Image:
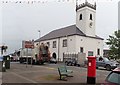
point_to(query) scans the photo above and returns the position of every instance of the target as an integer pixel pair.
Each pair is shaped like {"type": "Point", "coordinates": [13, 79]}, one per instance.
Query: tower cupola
{"type": "Point", "coordinates": [86, 4]}
{"type": "Point", "coordinates": [86, 18]}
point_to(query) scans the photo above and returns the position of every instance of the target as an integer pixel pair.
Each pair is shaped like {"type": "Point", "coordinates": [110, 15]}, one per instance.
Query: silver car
{"type": "Point", "coordinates": [106, 63]}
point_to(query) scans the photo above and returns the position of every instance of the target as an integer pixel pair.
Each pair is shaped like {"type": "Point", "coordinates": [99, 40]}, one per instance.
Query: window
{"type": "Point", "coordinates": [98, 51]}
{"type": "Point", "coordinates": [54, 44]}
{"type": "Point", "coordinates": [80, 17]}
{"type": "Point", "coordinates": [65, 43]}
{"type": "Point", "coordinates": [48, 43]}
{"type": "Point", "coordinates": [113, 78]}
{"type": "Point", "coordinates": [81, 49]}
{"type": "Point", "coordinates": [90, 16]}
{"type": "Point", "coordinates": [90, 53]}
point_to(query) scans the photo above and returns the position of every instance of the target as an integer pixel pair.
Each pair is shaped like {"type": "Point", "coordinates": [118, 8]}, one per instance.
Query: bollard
{"type": "Point", "coordinates": [7, 61]}
{"type": "Point", "coordinates": [91, 73]}
{"type": "Point", "coordinates": [3, 67]}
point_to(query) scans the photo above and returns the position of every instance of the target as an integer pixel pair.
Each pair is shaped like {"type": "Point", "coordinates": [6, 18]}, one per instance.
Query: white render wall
{"type": "Point", "coordinates": [74, 44]}
{"type": "Point", "coordinates": [89, 44]}
{"type": "Point", "coordinates": [83, 24]}
{"type": "Point", "coordinates": [70, 46]}
{"type": "Point", "coordinates": [59, 50]}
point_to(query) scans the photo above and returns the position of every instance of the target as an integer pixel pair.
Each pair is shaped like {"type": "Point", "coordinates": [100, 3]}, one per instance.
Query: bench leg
{"type": "Point", "coordinates": [63, 78]}
{"type": "Point", "coordinates": [60, 77]}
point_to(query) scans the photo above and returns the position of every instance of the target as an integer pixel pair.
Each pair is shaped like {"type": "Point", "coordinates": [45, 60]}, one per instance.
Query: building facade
{"type": "Point", "coordinates": [78, 38]}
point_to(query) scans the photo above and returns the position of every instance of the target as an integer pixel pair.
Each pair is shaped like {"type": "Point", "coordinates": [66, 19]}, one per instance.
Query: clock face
{"type": "Point", "coordinates": [91, 24]}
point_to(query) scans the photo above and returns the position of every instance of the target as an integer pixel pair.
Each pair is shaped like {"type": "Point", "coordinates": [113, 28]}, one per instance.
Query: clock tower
{"type": "Point", "coordinates": [86, 18]}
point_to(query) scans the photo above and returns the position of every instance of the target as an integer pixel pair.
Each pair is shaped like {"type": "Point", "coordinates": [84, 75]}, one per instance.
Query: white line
{"type": "Point", "coordinates": [46, 67]}
{"type": "Point", "coordinates": [24, 78]}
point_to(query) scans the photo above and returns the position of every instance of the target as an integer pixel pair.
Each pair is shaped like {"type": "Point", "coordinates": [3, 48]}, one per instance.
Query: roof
{"type": "Point", "coordinates": [117, 69]}
{"type": "Point", "coordinates": [63, 32]}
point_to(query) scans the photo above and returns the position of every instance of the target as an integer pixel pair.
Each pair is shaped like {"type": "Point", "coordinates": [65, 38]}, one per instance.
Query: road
{"type": "Point", "coordinates": [48, 73]}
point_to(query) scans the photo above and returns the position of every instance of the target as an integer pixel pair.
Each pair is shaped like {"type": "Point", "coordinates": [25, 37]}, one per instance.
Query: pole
{"type": "Point", "coordinates": [31, 58]}
{"type": "Point", "coordinates": [67, 42]}
{"type": "Point", "coordinates": [58, 48]}
{"type": "Point", "coordinates": [39, 33]}
{"type": "Point", "coordinates": [27, 59]}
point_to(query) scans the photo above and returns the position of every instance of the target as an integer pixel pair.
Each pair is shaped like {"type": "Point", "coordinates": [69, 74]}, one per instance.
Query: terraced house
{"type": "Point", "coordinates": [77, 38]}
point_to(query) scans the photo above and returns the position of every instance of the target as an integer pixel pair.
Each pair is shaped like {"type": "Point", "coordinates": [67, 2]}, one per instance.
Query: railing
{"type": "Point", "coordinates": [70, 56]}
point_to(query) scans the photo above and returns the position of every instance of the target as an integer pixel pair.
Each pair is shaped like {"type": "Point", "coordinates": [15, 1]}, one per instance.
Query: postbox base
{"type": "Point", "coordinates": [91, 80]}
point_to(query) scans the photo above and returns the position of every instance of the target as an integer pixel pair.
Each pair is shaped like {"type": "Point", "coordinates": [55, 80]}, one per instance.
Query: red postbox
{"type": "Point", "coordinates": [91, 73]}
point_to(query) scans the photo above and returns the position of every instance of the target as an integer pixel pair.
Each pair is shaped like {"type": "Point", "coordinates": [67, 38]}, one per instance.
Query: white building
{"type": "Point", "coordinates": [119, 15]}
{"type": "Point", "coordinates": [80, 37]}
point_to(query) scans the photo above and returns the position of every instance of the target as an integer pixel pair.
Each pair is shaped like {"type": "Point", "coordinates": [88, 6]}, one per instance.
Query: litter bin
{"type": "Point", "coordinates": [7, 61]}
{"type": "Point", "coordinates": [2, 65]}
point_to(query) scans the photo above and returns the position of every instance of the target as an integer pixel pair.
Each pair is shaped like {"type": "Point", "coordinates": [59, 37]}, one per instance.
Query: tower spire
{"type": "Point", "coordinates": [76, 4]}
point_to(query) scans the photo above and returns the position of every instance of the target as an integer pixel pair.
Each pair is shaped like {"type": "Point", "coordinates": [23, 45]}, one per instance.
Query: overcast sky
{"type": "Point", "coordinates": [21, 21]}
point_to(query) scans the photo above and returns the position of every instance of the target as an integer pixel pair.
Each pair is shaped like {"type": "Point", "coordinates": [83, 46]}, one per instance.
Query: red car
{"type": "Point", "coordinates": [113, 78]}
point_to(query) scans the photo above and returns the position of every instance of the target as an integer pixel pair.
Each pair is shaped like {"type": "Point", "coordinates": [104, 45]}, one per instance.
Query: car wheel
{"type": "Point", "coordinates": [73, 64]}
{"type": "Point", "coordinates": [66, 62]}
{"type": "Point", "coordinates": [78, 65]}
{"type": "Point", "coordinates": [69, 64]}
{"type": "Point", "coordinates": [108, 67]}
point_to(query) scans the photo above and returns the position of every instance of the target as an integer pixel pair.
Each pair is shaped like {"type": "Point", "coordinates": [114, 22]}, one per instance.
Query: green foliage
{"type": "Point", "coordinates": [114, 44]}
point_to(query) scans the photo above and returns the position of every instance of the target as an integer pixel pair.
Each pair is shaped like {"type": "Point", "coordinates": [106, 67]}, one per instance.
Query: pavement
{"type": "Point", "coordinates": [48, 73]}
{"type": "Point", "coordinates": [0, 78]}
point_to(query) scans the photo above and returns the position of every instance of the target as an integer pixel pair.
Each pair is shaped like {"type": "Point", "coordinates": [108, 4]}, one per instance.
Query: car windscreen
{"type": "Point", "coordinates": [114, 77]}
{"type": "Point", "coordinates": [106, 59]}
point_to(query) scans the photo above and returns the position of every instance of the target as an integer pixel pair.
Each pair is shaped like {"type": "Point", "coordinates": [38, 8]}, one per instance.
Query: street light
{"type": "Point", "coordinates": [39, 32]}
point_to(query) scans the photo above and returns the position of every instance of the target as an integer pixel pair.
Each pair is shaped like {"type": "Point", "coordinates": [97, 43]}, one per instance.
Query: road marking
{"type": "Point", "coordinates": [46, 67]}
{"type": "Point", "coordinates": [23, 77]}
{"type": "Point", "coordinates": [50, 68]}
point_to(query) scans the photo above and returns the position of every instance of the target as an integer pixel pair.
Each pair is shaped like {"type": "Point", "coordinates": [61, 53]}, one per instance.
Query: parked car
{"type": "Point", "coordinates": [106, 63]}
{"type": "Point", "coordinates": [72, 62]}
{"type": "Point", "coordinates": [113, 78]}
{"type": "Point", "coordinates": [53, 60]}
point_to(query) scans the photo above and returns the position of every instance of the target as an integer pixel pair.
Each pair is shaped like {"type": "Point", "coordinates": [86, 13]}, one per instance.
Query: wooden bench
{"type": "Point", "coordinates": [63, 71]}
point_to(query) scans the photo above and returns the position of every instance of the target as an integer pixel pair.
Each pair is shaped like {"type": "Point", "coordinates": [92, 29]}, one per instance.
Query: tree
{"type": "Point", "coordinates": [114, 44]}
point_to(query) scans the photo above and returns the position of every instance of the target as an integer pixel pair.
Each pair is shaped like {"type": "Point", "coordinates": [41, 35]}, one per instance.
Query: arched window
{"type": "Point", "coordinates": [80, 17]}
{"type": "Point", "coordinates": [90, 16]}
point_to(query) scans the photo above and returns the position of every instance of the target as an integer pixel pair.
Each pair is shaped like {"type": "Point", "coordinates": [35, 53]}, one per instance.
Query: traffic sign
{"type": "Point", "coordinates": [28, 44]}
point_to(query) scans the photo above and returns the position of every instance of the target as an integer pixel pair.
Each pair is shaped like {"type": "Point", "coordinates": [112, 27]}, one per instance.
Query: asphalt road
{"type": "Point", "coordinates": [48, 73]}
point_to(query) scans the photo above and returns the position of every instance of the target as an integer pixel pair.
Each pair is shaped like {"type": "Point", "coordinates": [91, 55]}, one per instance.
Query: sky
{"type": "Point", "coordinates": [21, 21]}
{"type": "Point", "coordinates": [119, 16]}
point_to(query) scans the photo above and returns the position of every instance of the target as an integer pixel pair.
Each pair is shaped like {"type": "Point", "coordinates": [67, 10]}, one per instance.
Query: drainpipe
{"type": "Point", "coordinates": [58, 48]}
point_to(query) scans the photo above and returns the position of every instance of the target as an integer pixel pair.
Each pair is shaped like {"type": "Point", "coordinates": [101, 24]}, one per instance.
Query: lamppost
{"type": "Point", "coordinates": [39, 32]}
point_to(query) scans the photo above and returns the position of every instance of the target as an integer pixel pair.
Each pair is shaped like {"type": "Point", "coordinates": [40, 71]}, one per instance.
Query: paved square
{"type": "Point", "coordinates": [48, 73]}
